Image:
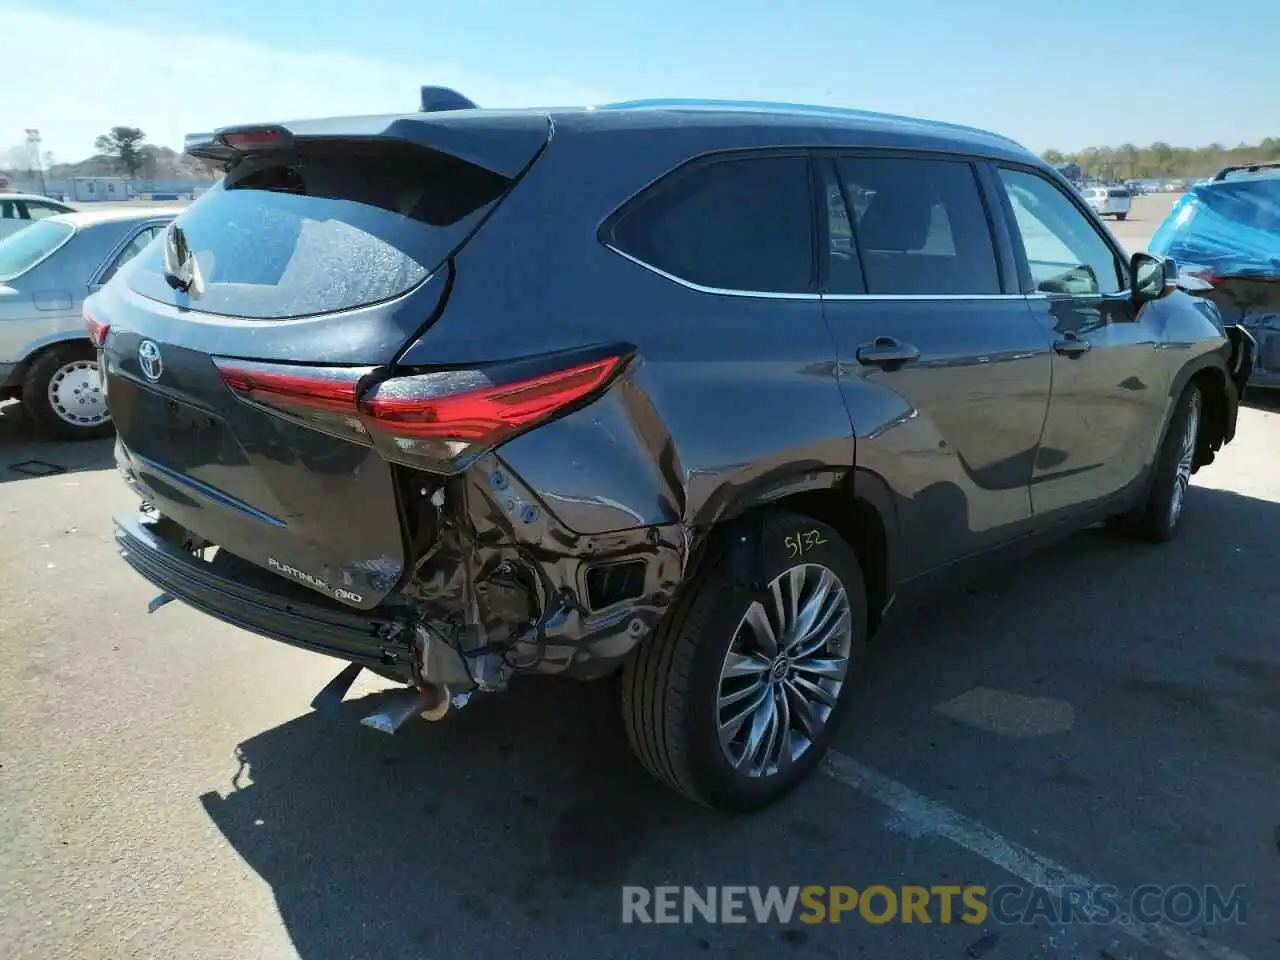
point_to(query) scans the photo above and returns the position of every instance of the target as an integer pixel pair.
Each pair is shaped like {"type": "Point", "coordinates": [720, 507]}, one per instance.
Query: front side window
{"type": "Point", "coordinates": [920, 227]}
{"type": "Point", "coordinates": [1064, 251]}
{"type": "Point", "coordinates": [736, 224]}
{"type": "Point", "coordinates": [844, 272]}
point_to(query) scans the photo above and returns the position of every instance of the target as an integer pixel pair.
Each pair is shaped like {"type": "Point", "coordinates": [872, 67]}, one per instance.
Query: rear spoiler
{"type": "Point", "coordinates": [501, 142]}
{"type": "Point", "coordinates": [1246, 168]}
{"type": "Point", "coordinates": [206, 147]}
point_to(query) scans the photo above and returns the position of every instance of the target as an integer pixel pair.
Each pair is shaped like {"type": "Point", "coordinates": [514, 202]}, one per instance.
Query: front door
{"type": "Point", "coordinates": [944, 370]}
{"type": "Point", "coordinates": [1108, 398]}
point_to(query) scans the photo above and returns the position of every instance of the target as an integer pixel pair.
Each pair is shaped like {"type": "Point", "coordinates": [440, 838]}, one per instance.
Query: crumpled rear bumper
{"type": "Point", "coordinates": [293, 616]}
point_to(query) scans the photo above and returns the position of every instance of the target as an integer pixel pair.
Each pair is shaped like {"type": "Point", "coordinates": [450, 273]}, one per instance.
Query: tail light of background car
{"type": "Point", "coordinates": [97, 329]}
{"type": "Point", "coordinates": [440, 420]}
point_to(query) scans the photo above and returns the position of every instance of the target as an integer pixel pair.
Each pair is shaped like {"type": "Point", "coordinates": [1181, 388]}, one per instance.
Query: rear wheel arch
{"type": "Point", "coordinates": [1215, 425]}
{"type": "Point", "coordinates": [19, 371]}
{"type": "Point", "coordinates": [1215, 392]}
{"type": "Point", "coordinates": [861, 509]}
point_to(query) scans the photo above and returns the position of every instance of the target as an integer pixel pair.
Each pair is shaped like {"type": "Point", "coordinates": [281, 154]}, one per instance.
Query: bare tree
{"type": "Point", "coordinates": [124, 144]}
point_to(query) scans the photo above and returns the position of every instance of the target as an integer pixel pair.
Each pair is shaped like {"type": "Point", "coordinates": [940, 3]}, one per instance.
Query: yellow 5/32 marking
{"type": "Point", "coordinates": [802, 542]}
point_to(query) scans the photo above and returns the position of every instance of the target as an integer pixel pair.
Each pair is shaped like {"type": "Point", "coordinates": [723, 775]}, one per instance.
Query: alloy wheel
{"type": "Point", "coordinates": [782, 675]}
{"type": "Point", "coordinates": [1186, 458]}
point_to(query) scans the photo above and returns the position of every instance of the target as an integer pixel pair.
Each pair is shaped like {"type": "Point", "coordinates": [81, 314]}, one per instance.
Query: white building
{"type": "Point", "coordinates": [89, 189]}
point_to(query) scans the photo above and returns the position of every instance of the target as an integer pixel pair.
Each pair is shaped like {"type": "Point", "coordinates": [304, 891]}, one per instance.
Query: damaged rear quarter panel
{"type": "Point", "coordinates": [697, 430]}
{"type": "Point", "coordinates": [730, 401]}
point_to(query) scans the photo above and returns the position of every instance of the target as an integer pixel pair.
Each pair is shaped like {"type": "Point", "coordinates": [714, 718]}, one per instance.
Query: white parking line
{"type": "Point", "coordinates": [921, 816]}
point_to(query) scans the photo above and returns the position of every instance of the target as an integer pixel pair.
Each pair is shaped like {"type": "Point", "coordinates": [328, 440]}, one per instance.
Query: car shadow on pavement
{"type": "Point", "coordinates": [512, 824]}
{"type": "Point", "coordinates": [503, 817]}
{"type": "Point", "coordinates": [24, 454]}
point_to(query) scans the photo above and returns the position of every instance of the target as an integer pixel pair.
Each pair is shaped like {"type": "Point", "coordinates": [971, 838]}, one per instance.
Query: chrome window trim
{"type": "Point", "coordinates": [892, 297]}
{"type": "Point", "coordinates": [718, 291]}
{"type": "Point", "coordinates": [773, 295]}
{"type": "Point", "coordinates": [924, 296]}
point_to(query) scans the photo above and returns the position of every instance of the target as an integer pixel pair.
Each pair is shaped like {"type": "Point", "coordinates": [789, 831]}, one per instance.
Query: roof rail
{"type": "Point", "coordinates": [1246, 168]}
{"type": "Point", "coordinates": [796, 108]}
{"type": "Point", "coordinates": [435, 99]}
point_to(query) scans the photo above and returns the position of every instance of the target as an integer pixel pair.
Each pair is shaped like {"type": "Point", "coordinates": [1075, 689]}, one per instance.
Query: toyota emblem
{"type": "Point", "coordinates": [149, 360]}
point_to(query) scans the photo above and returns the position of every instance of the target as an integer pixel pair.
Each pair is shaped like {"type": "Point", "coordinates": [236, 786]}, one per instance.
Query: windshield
{"type": "Point", "coordinates": [21, 251]}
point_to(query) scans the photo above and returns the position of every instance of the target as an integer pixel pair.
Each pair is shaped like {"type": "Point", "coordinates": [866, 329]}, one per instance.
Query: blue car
{"type": "Point", "coordinates": [1226, 233]}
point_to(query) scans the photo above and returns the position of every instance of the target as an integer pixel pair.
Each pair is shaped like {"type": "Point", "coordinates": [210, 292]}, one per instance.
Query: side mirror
{"type": "Point", "coordinates": [1153, 277]}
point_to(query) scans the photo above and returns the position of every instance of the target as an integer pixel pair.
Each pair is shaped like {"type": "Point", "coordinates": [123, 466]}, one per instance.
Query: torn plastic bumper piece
{"type": "Point", "coordinates": [158, 601]}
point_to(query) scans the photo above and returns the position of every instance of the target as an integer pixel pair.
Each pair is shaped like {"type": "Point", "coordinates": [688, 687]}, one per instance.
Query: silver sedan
{"type": "Point", "coordinates": [46, 271]}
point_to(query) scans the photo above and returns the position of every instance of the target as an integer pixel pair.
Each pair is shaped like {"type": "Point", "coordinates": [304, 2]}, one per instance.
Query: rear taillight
{"type": "Point", "coordinates": [442, 419]}
{"type": "Point", "coordinates": [323, 397]}
{"type": "Point", "coordinates": [1208, 276]}
{"type": "Point", "coordinates": [421, 407]}
{"type": "Point", "coordinates": [97, 329]}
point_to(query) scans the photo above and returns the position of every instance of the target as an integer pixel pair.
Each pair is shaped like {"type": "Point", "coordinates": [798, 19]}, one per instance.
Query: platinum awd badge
{"type": "Point", "coordinates": [338, 593]}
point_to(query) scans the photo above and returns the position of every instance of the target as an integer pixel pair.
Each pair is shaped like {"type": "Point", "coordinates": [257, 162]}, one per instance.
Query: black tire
{"type": "Point", "coordinates": [1121, 216]}
{"type": "Point", "coordinates": [1155, 520]}
{"type": "Point", "coordinates": [671, 687]}
{"type": "Point", "coordinates": [35, 393]}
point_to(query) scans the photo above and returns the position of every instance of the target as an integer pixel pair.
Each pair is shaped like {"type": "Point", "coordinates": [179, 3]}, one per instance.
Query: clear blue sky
{"type": "Point", "coordinates": [1063, 75]}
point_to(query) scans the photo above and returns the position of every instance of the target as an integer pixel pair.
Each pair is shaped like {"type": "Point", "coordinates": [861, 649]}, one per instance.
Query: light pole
{"type": "Point", "coordinates": [33, 148]}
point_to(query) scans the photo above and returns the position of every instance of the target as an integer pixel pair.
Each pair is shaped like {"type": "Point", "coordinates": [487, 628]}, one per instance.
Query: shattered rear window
{"type": "Point", "coordinates": [340, 226]}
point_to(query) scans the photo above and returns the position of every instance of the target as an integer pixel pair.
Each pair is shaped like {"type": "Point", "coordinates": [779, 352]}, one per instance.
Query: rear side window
{"type": "Point", "coordinates": [136, 245]}
{"type": "Point", "coordinates": [25, 249]}
{"type": "Point", "coordinates": [341, 226]}
{"type": "Point", "coordinates": [920, 226]}
{"type": "Point", "coordinates": [741, 224]}
{"type": "Point", "coordinates": [38, 211]}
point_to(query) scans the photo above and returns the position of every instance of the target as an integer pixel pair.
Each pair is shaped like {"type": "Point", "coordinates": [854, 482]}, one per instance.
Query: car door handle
{"type": "Point", "coordinates": [887, 353]}
{"type": "Point", "coordinates": [1071, 346]}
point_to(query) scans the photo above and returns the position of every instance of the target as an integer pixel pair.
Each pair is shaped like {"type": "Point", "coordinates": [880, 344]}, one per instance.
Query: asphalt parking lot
{"type": "Point", "coordinates": [1104, 713]}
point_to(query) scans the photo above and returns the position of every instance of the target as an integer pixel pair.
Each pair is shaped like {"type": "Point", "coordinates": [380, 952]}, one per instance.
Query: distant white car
{"type": "Point", "coordinates": [18, 210]}
{"type": "Point", "coordinates": [1109, 201]}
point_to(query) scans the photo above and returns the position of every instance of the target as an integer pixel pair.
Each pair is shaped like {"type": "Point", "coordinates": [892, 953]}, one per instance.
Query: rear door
{"type": "Point", "coordinates": [1110, 389]}
{"type": "Point", "coordinates": [238, 344]}
{"type": "Point", "coordinates": [945, 372]}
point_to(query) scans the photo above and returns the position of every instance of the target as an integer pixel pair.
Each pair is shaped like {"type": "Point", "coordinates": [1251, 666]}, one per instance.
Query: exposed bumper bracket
{"type": "Point", "coordinates": [329, 698]}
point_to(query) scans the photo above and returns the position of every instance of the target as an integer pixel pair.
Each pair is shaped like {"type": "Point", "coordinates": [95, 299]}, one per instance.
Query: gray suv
{"type": "Point", "coordinates": [692, 391]}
